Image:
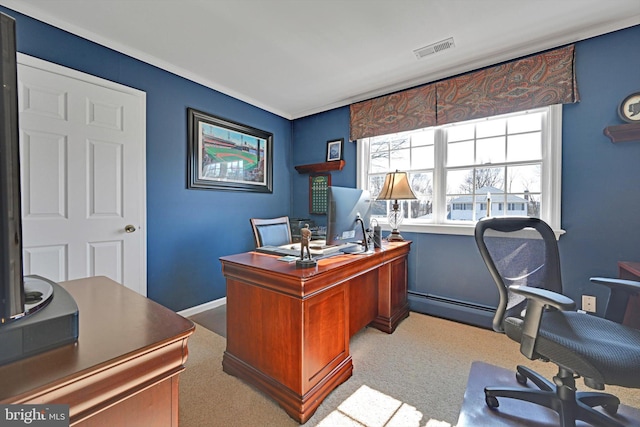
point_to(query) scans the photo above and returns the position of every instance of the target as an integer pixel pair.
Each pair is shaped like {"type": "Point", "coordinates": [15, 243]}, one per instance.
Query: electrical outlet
{"type": "Point", "coordinates": [589, 303]}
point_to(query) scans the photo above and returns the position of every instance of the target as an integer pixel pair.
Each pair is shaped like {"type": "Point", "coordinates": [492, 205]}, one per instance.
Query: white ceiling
{"type": "Point", "coordinates": [299, 57]}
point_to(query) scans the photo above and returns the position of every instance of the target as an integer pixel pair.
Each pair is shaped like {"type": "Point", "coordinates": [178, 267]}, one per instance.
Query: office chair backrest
{"type": "Point", "coordinates": [271, 232]}
{"type": "Point", "coordinates": [518, 251]}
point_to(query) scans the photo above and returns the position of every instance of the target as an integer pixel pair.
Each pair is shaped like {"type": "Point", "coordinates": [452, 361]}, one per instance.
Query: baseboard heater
{"type": "Point", "coordinates": [452, 309]}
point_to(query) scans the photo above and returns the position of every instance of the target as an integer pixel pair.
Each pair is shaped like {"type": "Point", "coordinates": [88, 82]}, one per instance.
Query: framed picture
{"type": "Point", "coordinates": [225, 155]}
{"type": "Point", "coordinates": [334, 149]}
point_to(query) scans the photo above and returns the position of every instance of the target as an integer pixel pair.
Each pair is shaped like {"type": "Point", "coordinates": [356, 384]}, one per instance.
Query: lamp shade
{"type": "Point", "coordinates": [396, 187]}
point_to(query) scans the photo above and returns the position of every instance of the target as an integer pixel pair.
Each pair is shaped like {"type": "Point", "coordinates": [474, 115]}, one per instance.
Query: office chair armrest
{"type": "Point", "coordinates": [620, 290]}
{"type": "Point", "coordinates": [537, 300]}
{"type": "Point", "coordinates": [628, 286]}
{"type": "Point", "coordinates": [545, 297]}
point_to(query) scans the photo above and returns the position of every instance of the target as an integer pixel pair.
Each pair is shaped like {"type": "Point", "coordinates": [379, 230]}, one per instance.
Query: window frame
{"type": "Point", "coordinates": [551, 178]}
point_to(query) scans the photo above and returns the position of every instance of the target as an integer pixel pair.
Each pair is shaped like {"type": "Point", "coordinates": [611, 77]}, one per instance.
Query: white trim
{"type": "Point", "coordinates": [453, 229]}
{"type": "Point", "coordinates": [203, 307]}
{"type": "Point", "coordinates": [552, 175]}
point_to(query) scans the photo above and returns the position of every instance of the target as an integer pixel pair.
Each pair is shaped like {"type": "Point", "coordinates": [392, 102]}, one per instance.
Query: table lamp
{"type": "Point", "coordinates": [396, 187]}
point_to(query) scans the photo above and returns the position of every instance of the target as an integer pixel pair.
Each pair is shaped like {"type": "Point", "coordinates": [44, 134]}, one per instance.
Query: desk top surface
{"type": "Point", "coordinates": [114, 323]}
{"type": "Point", "coordinates": [271, 263]}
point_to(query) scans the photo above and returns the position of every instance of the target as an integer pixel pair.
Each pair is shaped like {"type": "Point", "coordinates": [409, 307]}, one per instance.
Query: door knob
{"type": "Point", "coordinates": [129, 228]}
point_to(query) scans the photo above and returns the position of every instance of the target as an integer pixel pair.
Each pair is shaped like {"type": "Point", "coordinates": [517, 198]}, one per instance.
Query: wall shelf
{"type": "Point", "coordinates": [623, 133]}
{"type": "Point", "coordinates": [321, 167]}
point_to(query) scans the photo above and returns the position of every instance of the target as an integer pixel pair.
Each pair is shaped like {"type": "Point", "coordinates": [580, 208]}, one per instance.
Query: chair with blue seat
{"type": "Point", "coordinates": [522, 257]}
{"type": "Point", "coordinates": [271, 231]}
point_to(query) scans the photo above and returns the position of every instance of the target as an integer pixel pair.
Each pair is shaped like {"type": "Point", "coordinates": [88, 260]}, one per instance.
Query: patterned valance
{"type": "Point", "coordinates": [532, 82]}
{"type": "Point", "coordinates": [535, 81]}
{"type": "Point", "coordinates": [398, 112]}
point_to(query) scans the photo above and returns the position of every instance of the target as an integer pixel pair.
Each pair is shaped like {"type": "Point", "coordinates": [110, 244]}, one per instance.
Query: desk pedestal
{"type": "Point", "coordinates": [288, 329]}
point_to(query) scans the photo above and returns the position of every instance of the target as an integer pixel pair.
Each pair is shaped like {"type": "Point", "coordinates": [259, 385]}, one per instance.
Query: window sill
{"type": "Point", "coordinates": [452, 229]}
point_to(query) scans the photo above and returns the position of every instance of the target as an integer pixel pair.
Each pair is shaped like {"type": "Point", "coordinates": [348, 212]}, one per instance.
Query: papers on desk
{"type": "Point", "coordinates": [316, 247]}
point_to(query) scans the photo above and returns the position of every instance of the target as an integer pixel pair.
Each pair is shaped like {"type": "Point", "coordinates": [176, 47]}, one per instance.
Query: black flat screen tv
{"type": "Point", "coordinates": [348, 215]}
{"type": "Point", "coordinates": [12, 297]}
{"type": "Point", "coordinates": [36, 314]}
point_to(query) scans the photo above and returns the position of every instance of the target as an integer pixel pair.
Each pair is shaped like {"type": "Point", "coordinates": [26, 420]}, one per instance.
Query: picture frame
{"type": "Point", "coordinates": [226, 155]}
{"type": "Point", "coordinates": [334, 149]}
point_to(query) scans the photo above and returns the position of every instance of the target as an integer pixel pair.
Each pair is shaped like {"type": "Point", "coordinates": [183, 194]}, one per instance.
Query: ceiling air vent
{"type": "Point", "coordinates": [434, 48]}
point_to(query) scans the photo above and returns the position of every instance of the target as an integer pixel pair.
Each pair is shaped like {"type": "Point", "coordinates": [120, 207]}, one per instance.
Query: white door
{"type": "Point", "coordinates": [82, 143]}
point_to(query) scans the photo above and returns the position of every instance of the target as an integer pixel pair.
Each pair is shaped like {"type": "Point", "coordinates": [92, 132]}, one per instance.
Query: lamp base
{"type": "Point", "coordinates": [395, 236]}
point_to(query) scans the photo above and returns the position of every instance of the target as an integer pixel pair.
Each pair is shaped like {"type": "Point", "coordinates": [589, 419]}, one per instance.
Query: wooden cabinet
{"type": "Point", "coordinates": [122, 371]}
{"type": "Point", "coordinates": [288, 329]}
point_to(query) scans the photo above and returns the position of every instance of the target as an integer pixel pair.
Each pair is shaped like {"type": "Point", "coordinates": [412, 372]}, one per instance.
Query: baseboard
{"type": "Point", "coordinates": [451, 309]}
{"type": "Point", "coordinates": [203, 307]}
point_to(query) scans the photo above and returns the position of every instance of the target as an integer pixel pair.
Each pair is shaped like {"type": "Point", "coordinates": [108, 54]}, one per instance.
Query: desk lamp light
{"type": "Point", "coordinates": [396, 187]}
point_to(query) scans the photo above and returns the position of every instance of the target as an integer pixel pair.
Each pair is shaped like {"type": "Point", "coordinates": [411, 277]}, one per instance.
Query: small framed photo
{"type": "Point", "coordinates": [334, 149]}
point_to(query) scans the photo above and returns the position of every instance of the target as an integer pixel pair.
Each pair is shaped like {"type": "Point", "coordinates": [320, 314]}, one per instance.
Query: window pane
{"type": "Point", "coordinates": [488, 177]}
{"type": "Point", "coordinates": [400, 160]}
{"type": "Point", "coordinates": [425, 137]}
{"type": "Point", "coordinates": [375, 184]}
{"type": "Point", "coordinates": [490, 150]}
{"type": "Point", "coordinates": [378, 144]}
{"type": "Point", "coordinates": [459, 181]}
{"type": "Point", "coordinates": [460, 132]}
{"type": "Point", "coordinates": [524, 147]}
{"type": "Point", "coordinates": [460, 153]}
{"type": "Point", "coordinates": [379, 209]}
{"type": "Point", "coordinates": [422, 157]}
{"type": "Point", "coordinates": [463, 208]}
{"type": "Point", "coordinates": [491, 128]}
{"type": "Point", "coordinates": [422, 185]}
{"type": "Point", "coordinates": [525, 123]}
{"type": "Point", "coordinates": [398, 142]}
{"type": "Point", "coordinates": [421, 209]}
{"type": "Point", "coordinates": [524, 178]}
{"type": "Point", "coordinates": [379, 162]}
{"type": "Point", "coordinates": [533, 202]}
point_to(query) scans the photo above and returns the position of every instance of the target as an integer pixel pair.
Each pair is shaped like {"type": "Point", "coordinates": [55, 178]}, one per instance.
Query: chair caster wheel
{"type": "Point", "coordinates": [491, 401]}
{"type": "Point", "coordinates": [521, 378]}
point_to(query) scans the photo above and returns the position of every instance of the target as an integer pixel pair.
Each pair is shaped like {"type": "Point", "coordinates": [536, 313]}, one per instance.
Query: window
{"type": "Point", "coordinates": [456, 170]}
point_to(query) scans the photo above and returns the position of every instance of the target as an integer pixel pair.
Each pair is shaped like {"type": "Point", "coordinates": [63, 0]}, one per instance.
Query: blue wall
{"type": "Point", "coordinates": [187, 230]}
{"type": "Point", "coordinates": [600, 192]}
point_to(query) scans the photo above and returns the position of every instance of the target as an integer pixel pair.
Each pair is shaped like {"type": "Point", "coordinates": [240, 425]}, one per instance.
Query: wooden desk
{"type": "Point", "coordinates": [288, 329]}
{"type": "Point", "coordinates": [631, 271]}
{"type": "Point", "coordinates": [122, 371]}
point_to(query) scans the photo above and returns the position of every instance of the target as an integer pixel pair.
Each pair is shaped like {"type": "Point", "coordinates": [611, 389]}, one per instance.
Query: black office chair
{"type": "Point", "coordinates": [271, 232]}
{"type": "Point", "coordinates": [523, 259]}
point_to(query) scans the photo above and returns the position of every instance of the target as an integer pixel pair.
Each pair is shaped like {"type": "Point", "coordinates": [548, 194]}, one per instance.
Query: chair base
{"type": "Point", "coordinates": [560, 396]}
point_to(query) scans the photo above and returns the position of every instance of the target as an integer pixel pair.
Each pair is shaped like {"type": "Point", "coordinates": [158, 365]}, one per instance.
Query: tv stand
{"type": "Point", "coordinates": [50, 322]}
{"type": "Point", "coordinates": [122, 371]}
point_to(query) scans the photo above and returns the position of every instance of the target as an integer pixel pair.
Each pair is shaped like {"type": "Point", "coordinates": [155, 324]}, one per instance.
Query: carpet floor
{"type": "Point", "coordinates": [415, 377]}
